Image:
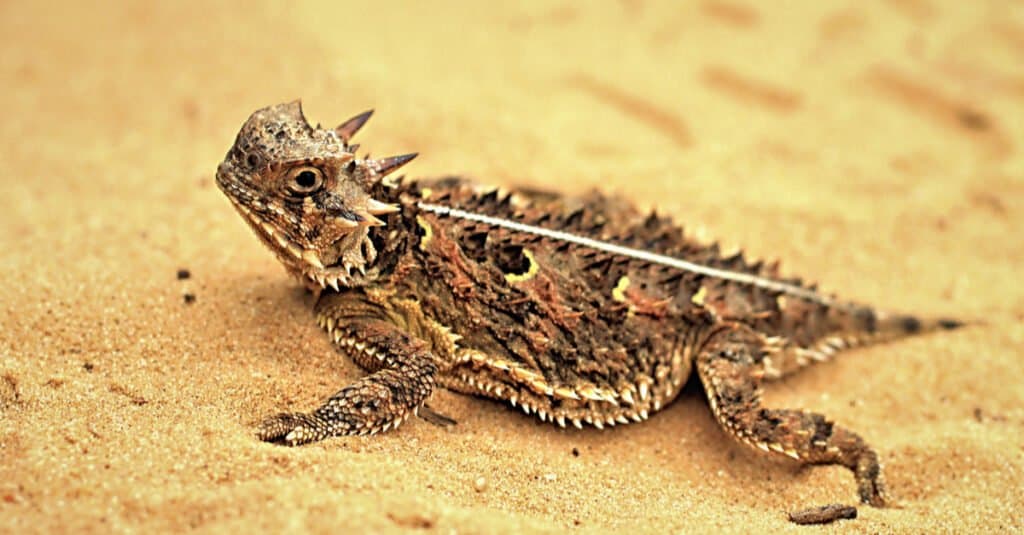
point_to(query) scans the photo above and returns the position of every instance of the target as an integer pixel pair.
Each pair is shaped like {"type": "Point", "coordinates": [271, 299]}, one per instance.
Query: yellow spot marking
{"type": "Point", "coordinates": [530, 271]}
{"type": "Point", "coordinates": [780, 301]}
{"type": "Point", "coordinates": [698, 298]}
{"type": "Point", "coordinates": [426, 193]}
{"type": "Point", "coordinates": [619, 291]}
{"type": "Point", "coordinates": [428, 232]}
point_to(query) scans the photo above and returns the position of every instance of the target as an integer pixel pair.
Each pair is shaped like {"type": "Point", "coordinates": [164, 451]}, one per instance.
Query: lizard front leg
{"type": "Point", "coordinates": [404, 379]}
{"type": "Point", "coordinates": [729, 367]}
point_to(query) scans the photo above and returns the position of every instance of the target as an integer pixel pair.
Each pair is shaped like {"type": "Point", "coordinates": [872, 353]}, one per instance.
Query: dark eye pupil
{"type": "Point", "coordinates": [306, 179]}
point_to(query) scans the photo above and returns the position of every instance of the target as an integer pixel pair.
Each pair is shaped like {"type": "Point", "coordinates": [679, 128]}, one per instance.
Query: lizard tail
{"type": "Point", "coordinates": [892, 326]}
{"type": "Point", "coordinates": [858, 326]}
{"type": "Point", "coordinates": [846, 327]}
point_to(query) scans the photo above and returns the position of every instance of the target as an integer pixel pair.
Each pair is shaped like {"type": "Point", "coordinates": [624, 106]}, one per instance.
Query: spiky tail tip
{"type": "Point", "coordinates": [907, 325]}
{"type": "Point", "coordinates": [857, 326]}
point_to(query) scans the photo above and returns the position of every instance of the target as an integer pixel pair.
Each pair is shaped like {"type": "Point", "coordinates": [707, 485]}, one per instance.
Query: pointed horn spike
{"type": "Point", "coordinates": [313, 258]}
{"type": "Point", "coordinates": [294, 110]}
{"type": "Point", "coordinates": [369, 220]}
{"type": "Point", "coordinates": [349, 128]}
{"type": "Point", "coordinates": [376, 207]}
{"type": "Point", "coordinates": [353, 148]}
{"type": "Point", "coordinates": [346, 223]}
{"type": "Point", "coordinates": [386, 165]}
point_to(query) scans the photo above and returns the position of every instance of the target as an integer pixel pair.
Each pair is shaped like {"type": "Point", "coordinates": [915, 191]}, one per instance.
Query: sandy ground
{"type": "Point", "coordinates": [875, 147]}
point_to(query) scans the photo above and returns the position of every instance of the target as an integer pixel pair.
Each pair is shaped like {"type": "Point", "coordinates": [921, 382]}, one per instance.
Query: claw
{"type": "Point", "coordinates": [436, 418]}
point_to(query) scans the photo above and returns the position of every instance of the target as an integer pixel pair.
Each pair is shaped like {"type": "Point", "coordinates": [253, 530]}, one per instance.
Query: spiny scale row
{"type": "Point", "coordinates": [539, 384]}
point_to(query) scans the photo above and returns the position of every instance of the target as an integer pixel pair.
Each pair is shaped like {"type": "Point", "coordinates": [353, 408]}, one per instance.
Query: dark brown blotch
{"type": "Point", "coordinates": [867, 319]}
{"type": "Point", "coordinates": [750, 91]}
{"type": "Point", "coordinates": [973, 120]}
{"type": "Point", "coordinates": [512, 260]}
{"type": "Point", "coordinates": [911, 324]}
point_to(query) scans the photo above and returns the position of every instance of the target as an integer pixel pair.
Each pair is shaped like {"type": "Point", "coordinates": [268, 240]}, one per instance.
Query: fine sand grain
{"type": "Point", "coordinates": [874, 147]}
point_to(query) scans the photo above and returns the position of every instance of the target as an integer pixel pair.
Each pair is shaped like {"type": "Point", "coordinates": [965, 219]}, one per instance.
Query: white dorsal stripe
{"type": "Point", "coordinates": [639, 254]}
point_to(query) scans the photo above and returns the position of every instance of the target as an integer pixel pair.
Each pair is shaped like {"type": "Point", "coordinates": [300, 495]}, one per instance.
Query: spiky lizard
{"type": "Point", "coordinates": [579, 311]}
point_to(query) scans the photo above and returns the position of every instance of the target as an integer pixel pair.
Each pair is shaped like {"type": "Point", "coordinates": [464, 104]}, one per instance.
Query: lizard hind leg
{"type": "Point", "coordinates": [729, 366]}
{"type": "Point", "coordinates": [404, 378]}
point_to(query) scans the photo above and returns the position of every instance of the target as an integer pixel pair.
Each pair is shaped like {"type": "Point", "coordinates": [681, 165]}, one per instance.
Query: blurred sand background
{"type": "Point", "coordinates": [873, 146]}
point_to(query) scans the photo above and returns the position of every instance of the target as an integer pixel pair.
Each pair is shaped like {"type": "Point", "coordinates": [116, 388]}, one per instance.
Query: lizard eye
{"type": "Point", "coordinates": [305, 180]}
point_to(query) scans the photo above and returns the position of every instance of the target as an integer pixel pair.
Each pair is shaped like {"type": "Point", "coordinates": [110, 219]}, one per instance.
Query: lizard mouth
{"type": "Point", "coordinates": [342, 264]}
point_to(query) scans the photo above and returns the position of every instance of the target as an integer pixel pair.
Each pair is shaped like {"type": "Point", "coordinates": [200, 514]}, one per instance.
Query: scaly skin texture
{"type": "Point", "coordinates": [566, 329]}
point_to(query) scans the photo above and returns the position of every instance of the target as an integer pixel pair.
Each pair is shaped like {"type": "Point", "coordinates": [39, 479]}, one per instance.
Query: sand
{"type": "Point", "coordinates": [875, 148]}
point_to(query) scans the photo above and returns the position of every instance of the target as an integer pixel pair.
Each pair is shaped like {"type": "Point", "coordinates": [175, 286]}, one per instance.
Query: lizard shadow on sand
{"type": "Point", "coordinates": [272, 321]}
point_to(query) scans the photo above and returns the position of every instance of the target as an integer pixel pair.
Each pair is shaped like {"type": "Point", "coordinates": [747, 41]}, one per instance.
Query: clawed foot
{"type": "Point", "coordinates": [728, 368]}
{"type": "Point", "coordinates": [292, 429]}
{"type": "Point", "coordinates": [869, 480]}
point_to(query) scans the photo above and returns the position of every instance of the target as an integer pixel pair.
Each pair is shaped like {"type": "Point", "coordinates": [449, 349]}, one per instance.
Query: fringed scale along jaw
{"type": "Point", "coordinates": [305, 193]}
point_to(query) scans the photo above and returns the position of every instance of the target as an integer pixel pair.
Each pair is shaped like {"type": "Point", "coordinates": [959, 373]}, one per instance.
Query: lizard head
{"type": "Point", "coordinates": [306, 194]}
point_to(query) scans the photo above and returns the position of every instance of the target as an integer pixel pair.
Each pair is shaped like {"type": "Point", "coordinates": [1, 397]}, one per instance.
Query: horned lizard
{"type": "Point", "coordinates": [579, 311]}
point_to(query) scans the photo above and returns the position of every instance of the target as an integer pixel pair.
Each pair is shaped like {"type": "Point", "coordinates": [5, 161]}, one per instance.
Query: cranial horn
{"type": "Point", "coordinates": [345, 223]}
{"type": "Point", "coordinates": [369, 220]}
{"type": "Point", "coordinates": [349, 128]}
{"type": "Point", "coordinates": [386, 165]}
{"type": "Point", "coordinates": [292, 109]}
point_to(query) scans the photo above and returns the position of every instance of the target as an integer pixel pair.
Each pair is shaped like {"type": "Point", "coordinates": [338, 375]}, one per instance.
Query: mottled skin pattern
{"type": "Point", "coordinates": [570, 333]}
